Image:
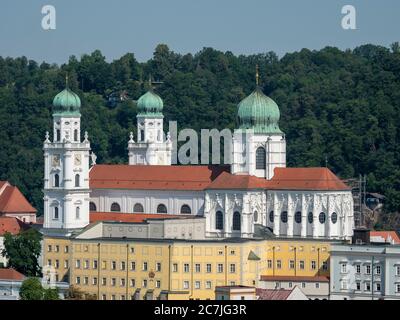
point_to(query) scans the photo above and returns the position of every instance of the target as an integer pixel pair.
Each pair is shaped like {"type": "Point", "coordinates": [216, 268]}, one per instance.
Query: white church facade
{"type": "Point", "coordinates": [256, 191]}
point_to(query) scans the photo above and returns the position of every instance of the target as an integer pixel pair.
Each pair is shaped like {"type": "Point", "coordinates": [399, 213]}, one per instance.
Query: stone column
{"type": "Point", "coordinates": [304, 213]}
{"type": "Point", "coordinates": [290, 215]}
{"type": "Point", "coordinates": [276, 215]}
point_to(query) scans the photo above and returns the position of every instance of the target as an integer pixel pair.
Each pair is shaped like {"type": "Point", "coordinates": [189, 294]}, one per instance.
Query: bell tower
{"type": "Point", "coordinates": [66, 166]}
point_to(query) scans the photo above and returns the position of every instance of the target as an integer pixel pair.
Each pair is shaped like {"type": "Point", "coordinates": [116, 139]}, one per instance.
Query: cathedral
{"type": "Point", "coordinates": [256, 192]}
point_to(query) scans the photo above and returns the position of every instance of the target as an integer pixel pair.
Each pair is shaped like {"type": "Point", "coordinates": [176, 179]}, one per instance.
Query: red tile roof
{"type": "Point", "coordinates": [386, 235]}
{"type": "Point", "coordinates": [153, 177]}
{"type": "Point", "coordinates": [269, 294]}
{"type": "Point", "coordinates": [11, 225]}
{"type": "Point", "coordinates": [229, 181]}
{"type": "Point", "coordinates": [129, 217]}
{"type": "Point", "coordinates": [306, 179]}
{"type": "Point", "coordinates": [11, 274]}
{"type": "Point", "coordinates": [13, 201]}
{"type": "Point", "coordinates": [295, 278]}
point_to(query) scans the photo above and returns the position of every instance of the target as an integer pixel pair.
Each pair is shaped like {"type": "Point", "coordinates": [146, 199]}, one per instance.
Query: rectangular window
{"type": "Point", "coordinates": [232, 268]}
{"type": "Point", "coordinates": [56, 248]}
{"type": "Point", "coordinates": [86, 264]}
{"type": "Point", "coordinates": [66, 264]}
{"type": "Point", "coordinates": [133, 283]}
{"type": "Point", "coordinates": [358, 285]}
{"type": "Point", "coordinates": [104, 264]}
{"type": "Point", "coordinates": [122, 265]}
{"type": "Point", "coordinates": [269, 264]}
{"type": "Point", "coordinates": [317, 285]}
{"type": "Point", "coordinates": [368, 286]}
{"type": "Point", "coordinates": [185, 284]}
{"type": "Point", "coordinates": [133, 265]}
{"type": "Point", "coordinates": [158, 284]}
{"type": "Point", "coordinates": [113, 297]}
{"type": "Point", "coordinates": [104, 281]}
{"type": "Point", "coordinates": [122, 282]}
{"type": "Point", "coordinates": [144, 283]}
{"type": "Point", "coordinates": [113, 265]}
{"type": "Point", "coordinates": [95, 264]}
{"type": "Point", "coordinates": [343, 285]}
{"type": "Point", "coordinates": [78, 264]}
{"type": "Point", "coordinates": [358, 268]}
{"type": "Point", "coordinates": [113, 282]}
{"type": "Point", "coordinates": [104, 297]}
{"type": "Point", "coordinates": [208, 268]}
{"type": "Point", "coordinates": [66, 249]}
{"type": "Point", "coordinates": [397, 270]}
{"type": "Point", "coordinates": [49, 262]}
{"type": "Point", "coordinates": [132, 250]}
{"type": "Point", "coordinates": [378, 270]}
{"type": "Point", "coordinates": [368, 269]}
{"type": "Point", "coordinates": [313, 265]}
{"type": "Point", "coordinates": [78, 280]}
{"type": "Point", "coordinates": [197, 284]}
{"type": "Point", "coordinates": [301, 264]}
{"type": "Point", "coordinates": [57, 264]}
{"type": "Point", "coordinates": [278, 264]}
{"type": "Point", "coordinates": [290, 284]}
{"type": "Point", "coordinates": [325, 265]}
{"type": "Point", "coordinates": [303, 285]}
{"type": "Point", "coordinates": [378, 287]}
{"type": "Point", "coordinates": [175, 267]}
{"type": "Point", "coordinates": [220, 268]}
{"type": "Point", "coordinates": [397, 287]}
{"type": "Point", "coordinates": [86, 280]}
{"type": "Point", "coordinates": [197, 268]}
{"type": "Point", "coordinates": [208, 285]}
{"type": "Point", "coordinates": [233, 252]}
{"type": "Point", "coordinates": [343, 268]}
{"type": "Point", "coordinates": [144, 266]}
{"type": "Point", "coordinates": [186, 267]}
{"type": "Point", "coordinates": [158, 266]}
{"type": "Point", "coordinates": [49, 248]}
{"type": "Point", "coordinates": [291, 264]}
{"type": "Point", "coordinates": [94, 281]}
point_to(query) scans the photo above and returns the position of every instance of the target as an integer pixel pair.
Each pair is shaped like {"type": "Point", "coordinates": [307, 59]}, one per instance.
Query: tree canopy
{"type": "Point", "coordinates": [343, 106]}
{"type": "Point", "coordinates": [32, 289]}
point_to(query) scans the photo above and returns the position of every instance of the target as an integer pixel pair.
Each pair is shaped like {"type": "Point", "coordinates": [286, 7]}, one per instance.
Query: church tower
{"type": "Point", "coordinates": [259, 146]}
{"type": "Point", "coordinates": [151, 148]}
{"type": "Point", "coordinates": [66, 167]}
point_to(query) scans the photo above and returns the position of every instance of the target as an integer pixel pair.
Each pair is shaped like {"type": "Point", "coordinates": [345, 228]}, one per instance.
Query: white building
{"type": "Point", "coordinates": [256, 189]}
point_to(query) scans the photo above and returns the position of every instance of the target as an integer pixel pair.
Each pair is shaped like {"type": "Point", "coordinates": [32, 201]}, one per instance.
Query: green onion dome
{"type": "Point", "coordinates": [259, 112]}
{"type": "Point", "coordinates": [66, 102]}
{"type": "Point", "coordinates": [150, 104]}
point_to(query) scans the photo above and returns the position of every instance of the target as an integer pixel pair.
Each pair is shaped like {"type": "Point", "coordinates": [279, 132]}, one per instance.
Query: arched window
{"type": "Point", "coordinates": [92, 206]}
{"type": "Point", "coordinates": [141, 135]}
{"type": "Point", "coordinates": [55, 213]}
{"type": "Point", "coordinates": [297, 217]}
{"type": "Point", "coordinates": [310, 217]}
{"type": "Point", "coordinates": [322, 217]}
{"type": "Point", "coordinates": [334, 217]}
{"type": "Point", "coordinates": [138, 208]}
{"type": "Point", "coordinates": [260, 159]}
{"type": "Point", "coordinates": [58, 135]}
{"type": "Point", "coordinates": [219, 221]}
{"type": "Point", "coordinates": [161, 208]}
{"type": "Point", "coordinates": [236, 221]}
{"type": "Point", "coordinates": [75, 135]}
{"type": "Point", "coordinates": [78, 213]}
{"type": "Point", "coordinates": [255, 216]}
{"type": "Point", "coordinates": [77, 183]}
{"type": "Point", "coordinates": [185, 209]}
{"type": "Point", "coordinates": [284, 216]}
{"type": "Point", "coordinates": [56, 180]}
{"type": "Point", "coordinates": [271, 216]}
{"type": "Point", "coordinates": [115, 207]}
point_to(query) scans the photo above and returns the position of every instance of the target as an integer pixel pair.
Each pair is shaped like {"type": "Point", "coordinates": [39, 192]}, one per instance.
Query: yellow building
{"type": "Point", "coordinates": [120, 269]}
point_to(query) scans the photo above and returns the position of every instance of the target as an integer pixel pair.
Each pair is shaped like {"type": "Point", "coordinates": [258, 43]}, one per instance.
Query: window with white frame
{"type": "Point", "coordinates": [232, 268]}
{"type": "Point", "coordinates": [208, 268]}
{"type": "Point", "coordinates": [78, 264]}
{"type": "Point", "coordinates": [104, 281]}
{"type": "Point", "coordinates": [133, 283]}
{"type": "Point", "coordinates": [122, 265]}
{"type": "Point", "coordinates": [144, 266]}
{"type": "Point", "coordinates": [158, 266]}
{"type": "Point", "coordinates": [378, 287]}
{"type": "Point", "coordinates": [197, 284]}
{"type": "Point", "coordinates": [186, 267]}
{"type": "Point", "coordinates": [313, 265]}
{"type": "Point", "coordinates": [367, 286]}
{"type": "Point", "coordinates": [113, 282]}
{"type": "Point", "coordinates": [397, 270]}
{"type": "Point", "coordinates": [86, 264]}
{"type": "Point", "coordinates": [269, 264]}
{"type": "Point", "coordinates": [133, 265]}
{"type": "Point", "coordinates": [209, 285]}
{"type": "Point", "coordinates": [158, 283]}
{"type": "Point", "coordinates": [291, 264]}
{"type": "Point", "coordinates": [397, 287]}
{"type": "Point", "coordinates": [197, 268]}
{"type": "Point", "coordinates": [174, 267]}
{"type": "Point", "coordinates": [301, 264]}
{"type": "Point", "coordinates": [343, 268]}
{"type": "Point", "coordinates": [144, 283]}
{"type": "Point", "coordinates": [122, 282]}
{"type": "Point", "coordinates": [343, 285]}
{"type": "Point", "coordinates": [358, 268]}
{"type": "Point", "coordinates": [220, 268]}
{"type": "Point", "coordinates": [378, 269]}
{"type": "Point", "coordinates": [368, 269]}
{"type": "Point", "coordinates": [185, 284]}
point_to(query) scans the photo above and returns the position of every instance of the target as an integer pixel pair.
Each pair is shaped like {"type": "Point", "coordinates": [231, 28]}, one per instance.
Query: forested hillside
{"type": "Point", "coordinates": [343, 106]}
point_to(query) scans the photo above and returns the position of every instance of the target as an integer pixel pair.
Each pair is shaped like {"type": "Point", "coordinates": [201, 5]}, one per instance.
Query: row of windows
{"type": "Point", "coordinates": [56, 213]}
{"type": "Point", "coordinates": [138, 208]}
{"type": "Point", "coordinates": [56, 182]}
{"type": "Point", "coordinates": [219, 221]}
{"type": "Point", "coordinates": [344, 285]}
{"type": "Point", "coordinates": [316, 285]}
{"type": "Point", "coordinates": [58, 135]}
{"type": "Point", "coordinates": [298, 217]}
{"type": "Point", "coordinates": [301, 264]}
{"type": "Point", "coordinates": [57, 248]}
{"type": "Point", "coordinates": [367, 269]}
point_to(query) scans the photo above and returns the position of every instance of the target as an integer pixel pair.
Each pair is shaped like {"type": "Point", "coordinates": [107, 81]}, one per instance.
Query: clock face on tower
{"type": "Point", "coordinates": [77, 159]}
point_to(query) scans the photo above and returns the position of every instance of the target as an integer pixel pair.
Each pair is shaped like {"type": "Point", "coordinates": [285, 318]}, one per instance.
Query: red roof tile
{"type": "Point", "coordinates": [11, 225]}
{"type": "Point", "coordinates": [295, 278]}
{"type": "Point", "coordinates": [153, 177]}
{"type": "Point", "coordinates": [229, 181]}
{"type": "Point", "coordinates": [269, 294]}
{"type": "Point", "coordinates": [306, 179]}
{"type": "Point", "coordinates": [11, 274]}
{"type": "Point", "coordinates": [386, 235]}
{"type": "Point", "coordinates": [13, 201]}
{"type": "Point", "coordinates": [129, 217]}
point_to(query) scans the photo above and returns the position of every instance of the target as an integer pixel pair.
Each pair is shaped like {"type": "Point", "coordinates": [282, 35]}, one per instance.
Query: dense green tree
{"type": "Point", "coordinates": [23, 251]}
{"type": "Point", "coordinates": [31, 289]}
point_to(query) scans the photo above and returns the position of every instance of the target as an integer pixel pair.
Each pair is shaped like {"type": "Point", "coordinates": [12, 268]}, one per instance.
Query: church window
{"type": "Point", "coordinates": [255, 216]}
{"type": "Point", "coordinates": [219, 221]}
{"type": "Point", "coordinates": [297, 217]}
{"type": "Point", "coordinates": [92, 206]}
{"type": "Point", "coordinates": [322, 217]}
{"type": "Point", "coordinates": [55, 213]}
{"type": "Point", "coordinates": [58, 135]}
{"type": "Point", "coordinates": [260, 159]}
{"type": "Point", "coordinates": [78, 213]}
{"type": "Point", "coordinates": [185, 209]}
{"type": "Point", "coordinates": [56, 180]}
{"type": "Point", "coordinates": [271, 216]}
{"type": "Point", "coordinates": [75, 135]}
{"type": "Point", "coordinates": [236, 221]}
{"type": "Point", "coordinates": [141, 135]}
{"type": "Point", "coordinates": [138, 208]}
{"type": "Point", "coordinates": [162, 208]}
{"type": "Point", "coordinates": [284, 217]}
{"type": "Point", "coordinates": [115, 207]}
{"type": "Point", "coordinates": [334, 217]}
{"type": "Point", "coordinates": [310, 217]}
{"type": "Point", "coordinates": [77, 180]}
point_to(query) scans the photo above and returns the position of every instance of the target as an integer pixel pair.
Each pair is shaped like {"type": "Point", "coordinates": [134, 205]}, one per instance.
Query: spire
{"type": "Point", "coordinates": [257, 76]}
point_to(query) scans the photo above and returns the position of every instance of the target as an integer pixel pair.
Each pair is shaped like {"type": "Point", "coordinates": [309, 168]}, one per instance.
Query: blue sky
{"type": "Point", "coordinates": [241, 26]}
